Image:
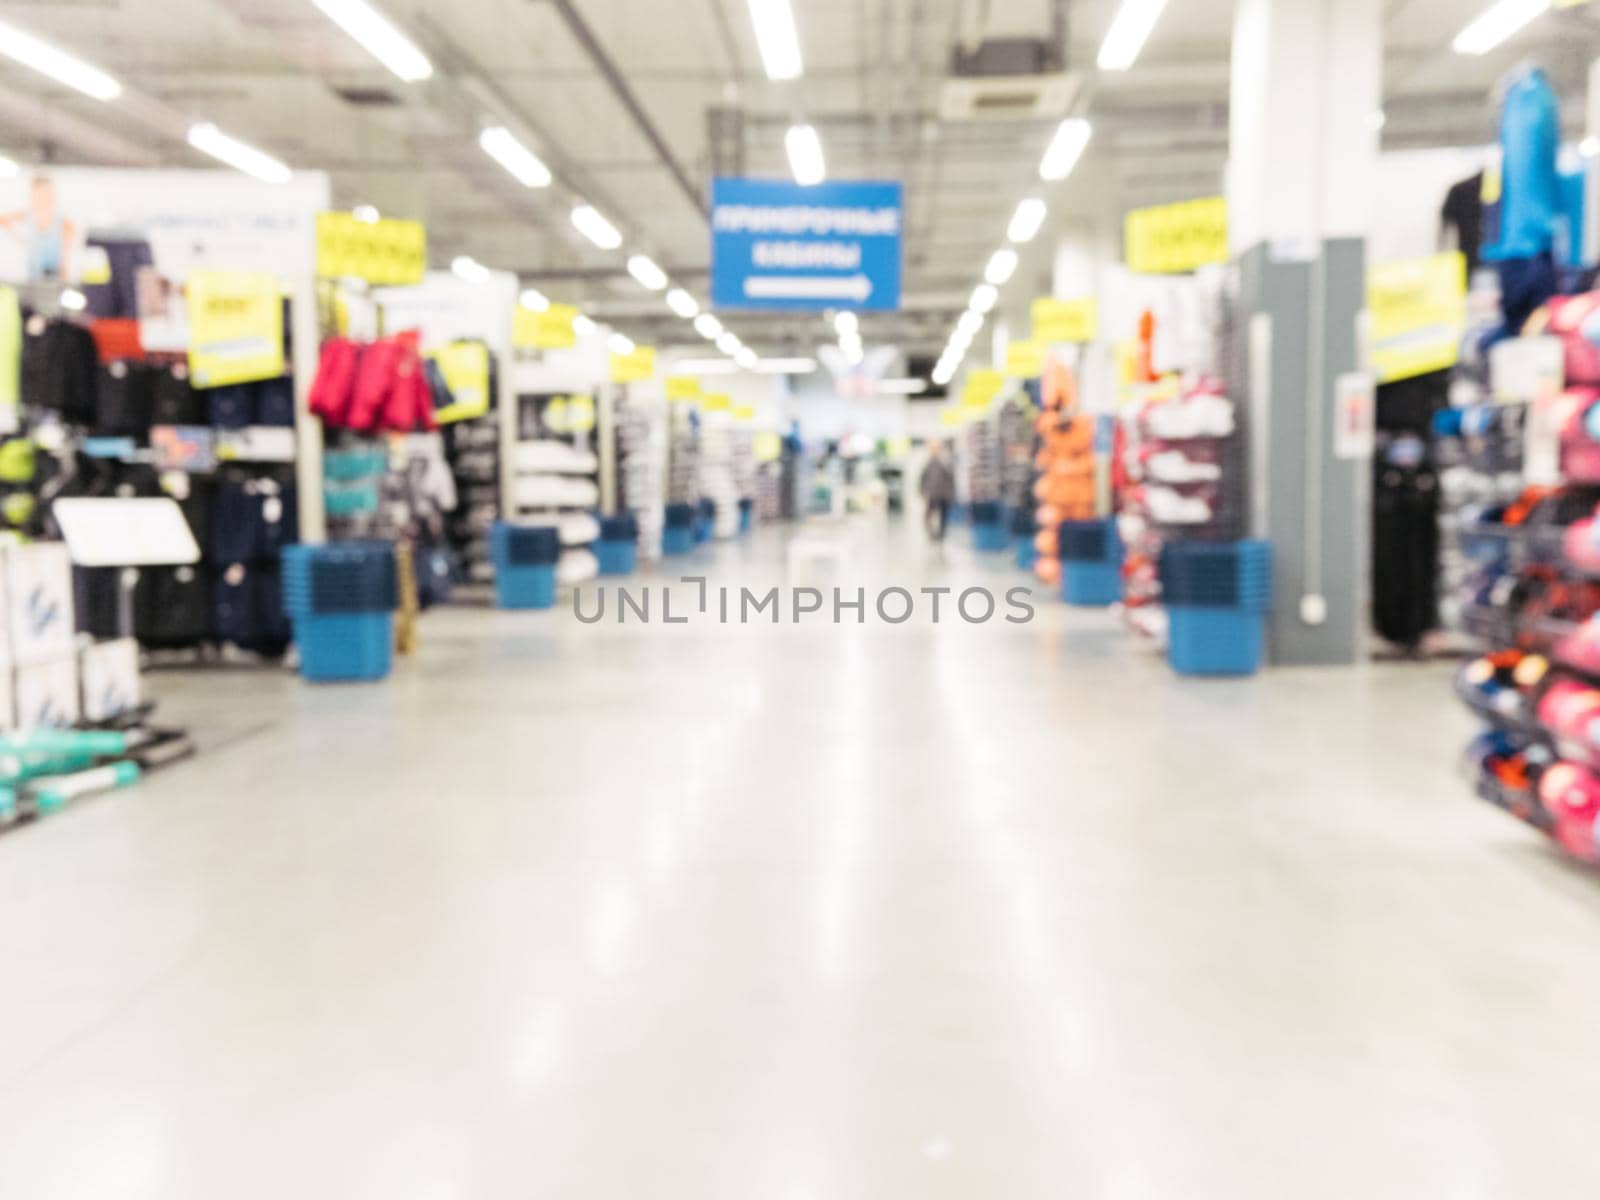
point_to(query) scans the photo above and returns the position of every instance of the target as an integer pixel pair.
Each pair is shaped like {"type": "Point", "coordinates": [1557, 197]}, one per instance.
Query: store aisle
{"type": "Point", "coordinates": [824, 913]}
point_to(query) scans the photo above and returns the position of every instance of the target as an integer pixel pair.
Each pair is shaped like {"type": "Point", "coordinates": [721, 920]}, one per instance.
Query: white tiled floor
{"type": "Point", "coordinates": [820, 914]}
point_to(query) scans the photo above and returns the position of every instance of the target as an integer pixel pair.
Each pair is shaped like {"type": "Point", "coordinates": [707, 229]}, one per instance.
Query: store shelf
{"type": "Point", "coordinates": [1523, 805]}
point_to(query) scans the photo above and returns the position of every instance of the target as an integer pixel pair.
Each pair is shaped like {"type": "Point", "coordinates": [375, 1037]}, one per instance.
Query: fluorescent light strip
{"type": "Point", "coordinates": [587, 220]}
{"type": "Point", "coordinates": [786, 366]}
{"type": "Point", "coordinates": [708, 327]}
{"type": "Point", "coordinates": [846, 323]}
{"type": "Point", "coordinates": [208, 139]}
{"type": "Point", "coordinates": [902, 387]}
{"type": "Point", "coordinates": [367, 214]}
{"type": "Point", "coordinates": [1002, 266]}
{"type": "Point", "coordinates": [746, 358]}
{"type": "Point", "coordinates": [970, 323]}
{"type": "Point", "coordinates": [777, 38]}
{"type": "Point", "coordinates": [680, 302]}
{"type": "Point", "coordinates": [620, 343]}
{"type": "Point", "coordinates": [645, 271]}
{"type": "Point", "coordinates": [705, 366]}
{"type": "Point", "coordinates": [523, 165]}
{"type": "Point", "coordinates": [729, 344]}
{"type": "Point", "coordinates": [1129, 30]}
{"type": "Point", "coordinates": [583, 326]}
{"type": "Point", "coordinates": [1026, 221]}
{"type": "Point", "coordinates": [470, 269]}
{"type": "Point", "coordinates": [8, 168]}
{"type": "Point", "coordinates": [533, 300]}
{"type": "Point", "coordinates": [57, 64]}
{"type": "Point", "coordinates": [983, 299]}
{"type": "Point", "coordinates": [1066, 147]}
{"type": "Point", "coordinates": [377, 35]}
{"type": "Point", "coordinates": [805, 155]}
{"type": "Point", "coordinates": [1497, 23]}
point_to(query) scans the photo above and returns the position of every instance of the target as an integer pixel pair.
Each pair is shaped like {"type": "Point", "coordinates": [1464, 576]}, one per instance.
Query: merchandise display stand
{"type": "Point", "coordinates": [638, 429]}
{"type": "Point", "coordinates": [557, 477]}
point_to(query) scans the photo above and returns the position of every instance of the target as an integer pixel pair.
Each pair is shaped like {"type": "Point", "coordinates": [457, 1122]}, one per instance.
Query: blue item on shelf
{"type": "Point", "coordinates": [1024, 522]}
{"type": "Point", "coordinates": [623, 527]}
{"type": "Point", "coordinates": [746, 514]}
{"type": "Point", "coordinates": [677, 541]}
{"type": "Point", "coordinates": [956, 514]}
{"type": "Point", "coordinates": [1089, 542]}
{"type": "Point", "coordinates": [679, 516]}
{"type": "Point", "coordinates": [705, 520]}
{"type": "Point", "coordinates": [525, 586]}
{"type": "Point", "coordinates": [345, 647]}
{"type": "Point", "coordinates": [275, 401]}
{"type": "Point", "coordinates": [989, 536]}
{"type": "Point", "coordinates": [232, 407]}
{"type": "Point", "coordinates": [1215, 641]}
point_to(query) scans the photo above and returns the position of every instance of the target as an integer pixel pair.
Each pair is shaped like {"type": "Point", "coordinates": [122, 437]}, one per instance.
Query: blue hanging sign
{"type": "Point", "coordinates": [777, 245]}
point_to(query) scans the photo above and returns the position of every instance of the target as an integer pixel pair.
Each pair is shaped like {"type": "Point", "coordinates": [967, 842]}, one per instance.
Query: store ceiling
{"type": "Point", "coordinates": [279, 74]}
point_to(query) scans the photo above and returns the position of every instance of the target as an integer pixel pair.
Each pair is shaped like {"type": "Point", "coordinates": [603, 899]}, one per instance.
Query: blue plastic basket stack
{"type": "Point", "coordinates": [524, 558]}
{"type": "Point", "coordinates": [705, 520]}
{"type": "Point", "coordinates": [746, 514]}
{"type": "Point", "coordinates": [677, 535]}
{"type": "Point", "coordinates": [1024, 531]}
{"type": "Point", "coordinates": [988, 525]}
{"type": "Point", "coordinates": [618, 547]}
{"type": "Point", "coordinates": [1217, 596]}
{"type": "Point", "coordinates": [341, 599]}
{"type": "Point", "coordinates": [1091, 555]}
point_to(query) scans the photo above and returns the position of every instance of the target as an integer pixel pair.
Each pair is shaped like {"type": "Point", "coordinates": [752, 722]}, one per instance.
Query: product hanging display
{"type": "Point", "coordinates": [557, 472]}
{"type": "Point", "coordinates": [640, 432]}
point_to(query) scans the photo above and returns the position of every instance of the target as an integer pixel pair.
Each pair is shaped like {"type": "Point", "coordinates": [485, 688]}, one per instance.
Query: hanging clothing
{"type": "Point", "coordinates": [1463, 214]}
{"type": "Point", "coordinates": [1522, 195]}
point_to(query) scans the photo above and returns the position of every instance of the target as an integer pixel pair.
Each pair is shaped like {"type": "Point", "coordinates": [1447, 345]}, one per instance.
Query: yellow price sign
{"type": "Point", "coordinates": [235, 327]}
{"type": "Point", "coordinates": [683, 387]}
{"type": "Point", "coordinates": [952, 418]}
{"type": "Point", "coordinates": [1025, 360]}
{"type": "Point", "coordinates": [636, 366]}
{"type": "Point", "coordinates": [718, 402]}
{"type": "Point", "coordinates": [580, 414]}
{"type": "Point", "coordinates": [984, 384]}
{"type": "Point", "coordinates": [1056, 321]}
{"type": "Point", "coordinates": [744, 412]}
{"type": "Point", "coordinates": [1174, 239]}
{"type": "Point", "coordinates": [1418, 313]}
{"type": "Point", "coordinates": [768, 447]}
{"type": "Point", "coordinates": [551, 328]}
{"type": "Point", "coordinates": [465, 367]}
{"type": "Point", "coordinates": [383, 252]}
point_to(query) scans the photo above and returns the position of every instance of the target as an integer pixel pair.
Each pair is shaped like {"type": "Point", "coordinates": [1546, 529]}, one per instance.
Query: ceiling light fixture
{"type": "Point", "coordinates": [522, 164]}
{"type": "Point", "coordinates": [1026, 221]}
{"type": "Point", "coordinates": [1377, 119]}
{"type": "Point", "coordinates": [805, 155]}
{"type": "Point", "coordinates": [57, 64]}
{"type": "Point", "coordinates": [1066, 147]}
{"type": "Point", "coordinates": [583, 326]}
{"type": "Point", "coordinates": [378, 36]}
{"type": "Point", "coordinates": [970, 323]}
{"type": "Point", "coordinates": [846, 323]}
{"type": "Point", "coordinates": [729, 344]}
{"type": "Point", "coordinates": [587, 220]}
{"type": "Point", "coordinates": [73, 300]}
{"type": "Point", "coordinates": [241, 156]}
{"type": "Point", "coordinates": [470, 269]}
{"type": "Point", "coordinates": [777, 38]}
{"type": "Point", "coordinates": [1497, 23]}
{"type": "Point", "coordinates": [944, 373]}
{"type": "Point", "coordinates": [1129, 30]}
{"type": "Point", "coordinates": [786, 366]}
{"type": "Point", "coordinates": [983, 299]}
{"type": "Point", "coordinates": [705, 366]}
{"type": "Point", "coordinates": [8, 168]}
{"type": "Point", "coordinates": [680, 302]}
{"type": "Point", "coordinates": [902, 387]}
{"type": "Point", "coordinates": [708, 327]}
{"type": "Point", "coordinates": [620, 343]}
{"type": "Point", "coordinates": [1002, 266]}
{"type": "Point", "coordinates": [746, 358]}
{"type": "Point", "coordinates": [645, 271]}
{"type": "Point", "coordinates": [367, 214]}
{"type": "Point", "coordinates": [533, 300]}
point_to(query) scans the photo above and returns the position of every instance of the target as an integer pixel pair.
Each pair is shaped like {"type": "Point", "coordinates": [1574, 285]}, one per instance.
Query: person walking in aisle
{"type": "Point", "coordinates": [938, 487]}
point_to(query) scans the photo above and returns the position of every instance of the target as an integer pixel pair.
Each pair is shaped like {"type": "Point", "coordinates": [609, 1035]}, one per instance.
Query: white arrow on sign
{"type": "Point", "coordinates": [808, 287]}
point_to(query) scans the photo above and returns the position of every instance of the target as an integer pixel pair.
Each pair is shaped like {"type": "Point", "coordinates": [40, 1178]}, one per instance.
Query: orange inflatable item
{"type": "Point", "coordinates": [1047, 517]}
{"type": "Point", "coordinates": [1045, 543]}
{"type": "Point", "coordinates": [1048, 570]}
